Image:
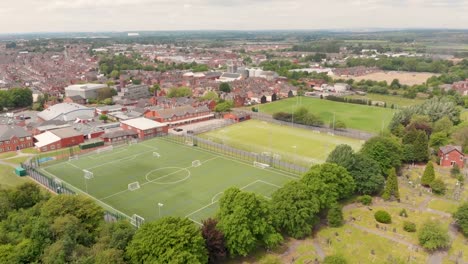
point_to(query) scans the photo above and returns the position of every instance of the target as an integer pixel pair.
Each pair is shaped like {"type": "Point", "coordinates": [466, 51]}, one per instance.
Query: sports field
{"type": "Point", "coordinates": [295, 145]}
{"type": "Point", "coordinates": [171, 180]}
{"type": "Point", "coordinates": [361, 117]}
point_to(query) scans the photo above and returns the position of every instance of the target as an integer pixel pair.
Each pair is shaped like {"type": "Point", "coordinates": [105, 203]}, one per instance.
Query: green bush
{"type": "Point", "coordinates": [334, 259]}
{"type": "Point", "coordinates": [383, 217]}
{"type": "Point", "coordinates": [433, 236]}
{"type": "Point", "coordinates": [409, 226]}
{"type": "Point", "coordinates": [438, 186]}
{"type": "Point", "coordinates": [403, 213]}
{"type": "Point", "coordinates": [365, 199]}
{"type": "Point", "coordinates": [335, 216]}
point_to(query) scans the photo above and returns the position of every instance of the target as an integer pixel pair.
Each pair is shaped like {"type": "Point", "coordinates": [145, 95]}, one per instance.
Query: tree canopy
{"type": "Point", "coordinates": [330, 182]}
{"type": "Point", "coordinates": [386, 151]}
{"type": "Point", "coordinates": [168, 240]}
{"type": "Point", "coordinates": [461, 216]}
{"type": "Point", "coordinates": [432, 236]}
{"type": "Point", "coordinates": [246, 221]}
{"type": "Point", "coordinates": [180, 92]}
{"type": "Point", "coordinates": [294, 207]}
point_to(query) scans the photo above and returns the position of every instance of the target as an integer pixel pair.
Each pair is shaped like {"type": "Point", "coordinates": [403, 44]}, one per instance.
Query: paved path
{"type": "Point", "coordinates": [318, 249]}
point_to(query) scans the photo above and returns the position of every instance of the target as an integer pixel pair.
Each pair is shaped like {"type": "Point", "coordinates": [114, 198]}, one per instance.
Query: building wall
{"type": "Point", "coordinates": [63, 143]}
{"type": "Point", "coordinates": [453, 156]}
{"type": "Point", "coordinates": [150, 133]}
{"type": "Point", "coordinates": [16, 143]}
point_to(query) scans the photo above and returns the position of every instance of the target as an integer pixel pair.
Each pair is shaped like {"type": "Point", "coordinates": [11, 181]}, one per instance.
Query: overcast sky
{"type": "Point", "coordinates": [132, 15]}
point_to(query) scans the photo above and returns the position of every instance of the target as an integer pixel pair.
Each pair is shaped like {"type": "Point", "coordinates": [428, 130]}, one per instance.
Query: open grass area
{"type": "Point", "coordinates": [7, 155]}
{"type": "Point", "coordinates": [8, 177]}
{"type": "Point", "coordinates": [397, 101]}
{"type": "Point", "coordinates": [361, 117]}
{"type": "Point", "coordinates": [294, 145]}
{"type": "Point", "coordinates": [171, 179]}
{"type": "Point", "coordinates": [408, 78]}
{"type": "Point", "coordinates": [443, 205]}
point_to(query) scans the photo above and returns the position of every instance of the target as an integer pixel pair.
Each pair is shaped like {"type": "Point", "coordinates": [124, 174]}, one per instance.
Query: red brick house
{"type": "Point", "coordinates": [119, 135]}
{"type": "Point", "coordinates": [57, 139]}
{"type": "Point", "coordinates": [451, 155]}
{"type": "Point", "coordinates": [146, 128]}
{"type": "Point", "coordinates": [14, 138]}
{"type": "Point", "coordinates": [238, 116]}
{"type": "Point", "coordinates": [180, 115]}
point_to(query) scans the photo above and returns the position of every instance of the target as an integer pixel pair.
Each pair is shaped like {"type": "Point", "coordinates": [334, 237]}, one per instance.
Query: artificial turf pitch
{"type": "Point", "coordinates": [170, 179]}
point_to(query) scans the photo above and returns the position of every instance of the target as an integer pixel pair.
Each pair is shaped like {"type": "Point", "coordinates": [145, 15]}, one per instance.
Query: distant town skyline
{"type": "Point", "coordinates": [147, 15]}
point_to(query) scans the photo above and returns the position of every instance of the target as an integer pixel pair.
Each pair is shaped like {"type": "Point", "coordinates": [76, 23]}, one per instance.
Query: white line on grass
{"type": "Point", "coordinates": [196, 222]}
{"type": "Point", "coordinates": [73, 165]}
{"type": "Point", "coordinates": [269, 183]}
{"type": "Point", "coordinates": [164, 176]}
{"type": "Point", "coordinates": [87, 194]}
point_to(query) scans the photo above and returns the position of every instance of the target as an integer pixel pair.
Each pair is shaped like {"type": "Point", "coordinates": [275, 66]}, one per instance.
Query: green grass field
{"type": "Point", "coordinates": [398, 101]}
{"type": "Point", "coordinates": [171, 179]}
{"type": "Point", "coordinates": [361, 117]}
{"type": "Point", "coordinates": [259, 136]}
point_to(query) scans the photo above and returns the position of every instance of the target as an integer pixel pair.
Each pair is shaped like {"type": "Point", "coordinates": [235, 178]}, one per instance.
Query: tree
{"type": "Point", "coordinates": [460, 137]}
{"type": "Point", "coordinates": [334, 259]}
{"type": "Point", "coordinates": [245, 220]}
{"type": "Point", "coordinates": [225, 87]}
{"type": "Point", "coordinates": [105, 93]}
{"type": "Point", "coordinates": [432, 236]}
{"type": "Point", "coordinates": [214, 241]}
{"type": "Point", "coordinates": [438, 140]}
{"type": "Point", "coordinates": [20, 97]}
{"type": "Point", "coordinates": [180, 92]}
{"type": "Point", "coordinates": [395, 84]}
{"type": "Point", "coordinates": [455, 170]}
{"type": "Point", "coordinates": [335, 215]}
{"type": "Point", "coordinates": [421, 152]}
{"type": "Point", "coordinates": [153, 89]}
{"type": "Point", "coordinates": [342, 155]}
{"type": "Point", "coordinates": [103, 118]}
{"type": "Point", "coordinates": [115, 74]}
{"type": "Point", "coordinates": [26, 195]}
{"type": "Point", "coordinates": [438, 186]}
{"type": "Point", "coordinates": [294, 208]}
{"type": "Point", "coordinates": [168, 240]}
{"type": "Point", "coordinates": [443, 125]}
{"type": "Point", "coordinates": [428, 175]}
{"type": "Point", "coordinates": [339, 125]}
{"type": "Point", "coordinates": [330, 182]}
{"type": "Point", "coordinates": [367, 175]}
{"type": "Point", "coordinates": [461, 217]}
{"type": "Point", "coordinates": [391, 186]}
{"type": "Point", "coordinates": [386, 151]}
{"type": "Point", "coordinates": [210, 95]}
{"type": "Point", "coordinates": [223, 107]}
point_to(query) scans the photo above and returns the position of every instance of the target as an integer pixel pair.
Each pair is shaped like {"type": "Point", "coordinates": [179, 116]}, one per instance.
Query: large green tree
{"type": "Point", "coordinates": [168, 240]}
{"type": "Point", "coordinates": [391, 186]}
{"type": "Point", "coordinates": [225, 87]}
{"type": "Point", "coordinates": [461, 217]}
{"type": "Point", "coordinates": [330, 182]}
{"type": "Point", "coordinates": [342, 155]}
{"type": "Point", "coordinates": [386, 151]}
{"type": "Point", "coordinates": [246, 222]}
{"type": "Point", "coordinates": [180, 92]}
{"type": "Point", "coordinates": [433, 236]}
{"type": "Point", "coordinates": [294, 207]}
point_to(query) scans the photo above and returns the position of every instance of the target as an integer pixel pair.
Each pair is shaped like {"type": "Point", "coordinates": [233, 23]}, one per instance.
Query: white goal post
{"type": "Point", "coordinates": [88, 175]}
{"type": "Point", "coordinates": [75, 157]}
{"type": "Point", "coordinates": [157, 155]}
{"type": "Point", "coordinates": [189, 142]}
{"type": "Point", "coordinates": [104, 149]}
{"type": "Point", "coordinates": [137, 220]}
{"type": "Point", "coordinates": [133, 186]}
{"type": "Point", "coordinates": [260, 165]}
{"type": "Point", "coordinates": [196, 163]}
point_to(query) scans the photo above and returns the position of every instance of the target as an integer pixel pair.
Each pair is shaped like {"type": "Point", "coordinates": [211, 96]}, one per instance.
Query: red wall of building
{"type": "Point", "coordinates": [147, 133]}
{"type": "Point", "coordinates": [14, 143]}
{"type": "Point", "coordinates": [455, 156]}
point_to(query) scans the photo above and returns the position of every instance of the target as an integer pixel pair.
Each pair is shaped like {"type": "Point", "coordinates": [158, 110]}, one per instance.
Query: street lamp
{"type": "Point", "coordinates": [159, 207]}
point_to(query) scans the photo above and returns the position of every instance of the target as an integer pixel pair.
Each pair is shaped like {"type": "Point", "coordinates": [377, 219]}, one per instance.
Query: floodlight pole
{"type": "Point", "coordinates": [159, 207]}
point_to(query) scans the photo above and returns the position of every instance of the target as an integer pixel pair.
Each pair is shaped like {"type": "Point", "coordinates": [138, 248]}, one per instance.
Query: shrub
{"type": "Point", "coordinates": [432, 236]}
{"type": "Point", "coordinates": [461, 216]}
{"type": "Point", "coordinates": [383, 217]}
{"type": "Point", "coordinates": [438, 186]}
{"type": "Point", "coordinates": [403, 213]}
{"type": "Point", "coordinates": [334, 259]}
{"type": "Point", "coordinates": [365, 199]}
{"type": "Point", "coordinates": [428, 175]}
{"type": "Point", "coordinates": [335, 216]}
{"type": "Point", "coordinates": [455, 170]}
{"type": "Point", "coordinates": [409, 226]}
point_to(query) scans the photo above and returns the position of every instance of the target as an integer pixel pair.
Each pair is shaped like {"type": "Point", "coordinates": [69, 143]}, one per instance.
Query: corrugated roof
{"type": "Point", "coordinates": [450, 148]}
{"type": "Point", "coordinates": [59, 110]}
{"type": "Point", "coordinates": [8, 131]}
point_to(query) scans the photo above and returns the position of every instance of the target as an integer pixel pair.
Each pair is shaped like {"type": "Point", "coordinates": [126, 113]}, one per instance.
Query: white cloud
{"type": "Point", "coordinates": [102, 15]}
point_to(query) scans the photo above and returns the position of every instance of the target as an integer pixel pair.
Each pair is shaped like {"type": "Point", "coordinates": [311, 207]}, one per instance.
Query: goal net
{"type": "Point", "coordinates": [75, 157]}
{"type": "Point", "coordinates": [189, 142]}
{"type": "Point", "coordinates": [196, 163]}
{"type": "Point", "coordinates": [133, 186]}
{"type": "Point", "coordinates": [137, 220]}
{"type": "Point", "coordinates": [260, 165]}
{"type": "Point", "coordinates": [157, 155]}
{"type": "Point", "coordinates": [104, 149]}
{"type": "Point", "coordinates": [88, 175]}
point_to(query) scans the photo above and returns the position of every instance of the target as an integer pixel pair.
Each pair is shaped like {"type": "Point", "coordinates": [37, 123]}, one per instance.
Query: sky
{"type": "Point", "coordinates": [19, 16]}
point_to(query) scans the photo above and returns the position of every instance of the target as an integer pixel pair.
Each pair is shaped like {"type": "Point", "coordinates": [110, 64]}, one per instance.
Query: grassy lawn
{"type": "Point", "coordinates": [30, 151]}
{"type": "Point", "coordinates": [459, 244]}
{"type": "Point", "coordinates": [356, 245]}
{"type": "Point", "coordinates": [444, 205]}
{"type": "Point", "coordinates": [171, 179]}
{"type": "Point", "coordinates": [397, 101]}
{"type": "Point", "coordinates": [7, 155]}
{"type": "Point", "coordinates": [8, 177]}
{"type": "Point", "coordinates": [295, 145]}
{"type": "Point", "coordinates": [361, 117]}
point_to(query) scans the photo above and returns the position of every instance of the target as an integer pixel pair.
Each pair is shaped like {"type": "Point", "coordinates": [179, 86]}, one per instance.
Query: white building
{"type": "Point", "coordinates": [87, 91]}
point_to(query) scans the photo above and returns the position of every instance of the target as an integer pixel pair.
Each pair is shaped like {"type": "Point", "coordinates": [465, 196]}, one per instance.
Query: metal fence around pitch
{"type": "Point", "coordinates": [55, 185]}
{"type": "Point", "coordinates": [272, 160]}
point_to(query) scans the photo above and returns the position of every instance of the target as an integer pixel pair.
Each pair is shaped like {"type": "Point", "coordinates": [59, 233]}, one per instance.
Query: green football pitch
{"type": "Point", "coordinates": [295, 145]}
{"type": "Point", "coordinates": [170, 179]}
